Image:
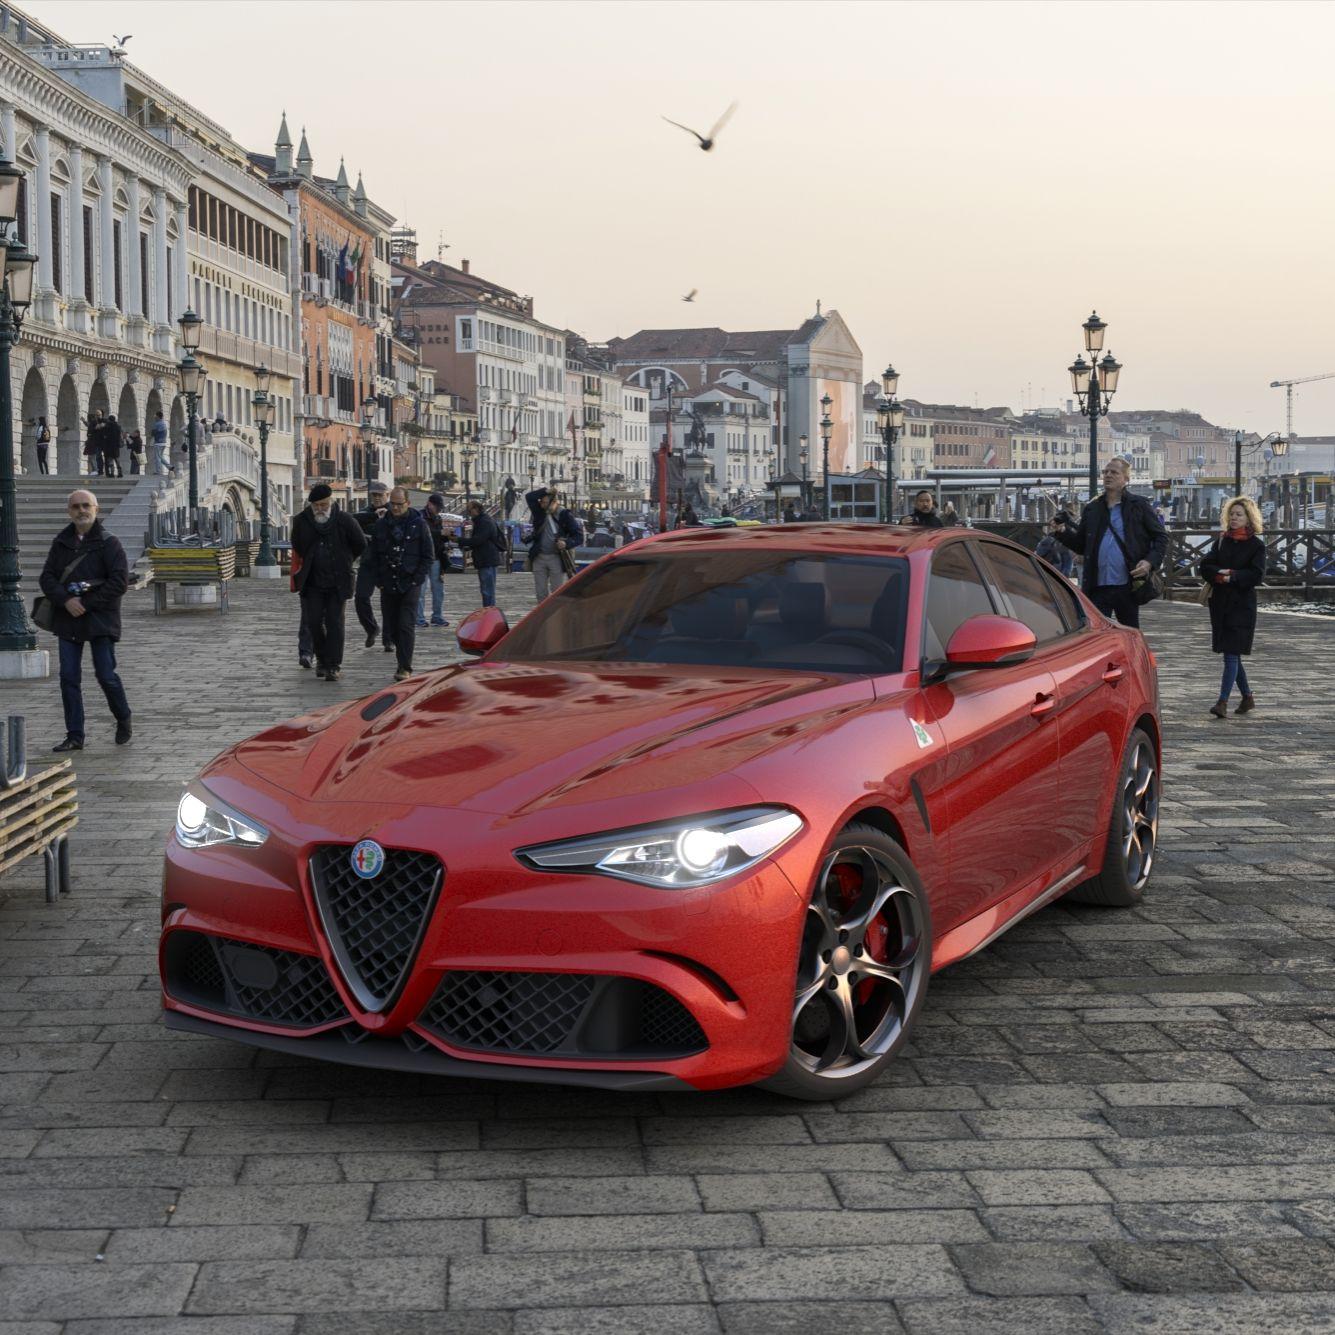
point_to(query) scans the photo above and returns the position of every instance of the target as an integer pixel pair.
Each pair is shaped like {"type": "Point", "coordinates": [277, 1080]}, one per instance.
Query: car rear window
{"type": "Point", "coordinates": [799, 611]}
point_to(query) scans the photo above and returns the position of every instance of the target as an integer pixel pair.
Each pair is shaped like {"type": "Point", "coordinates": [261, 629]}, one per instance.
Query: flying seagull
{"type": "Point", "coordinates": [120, 41]}
{"type": "Point", "coordinates": [690, 296]}
{"type": "Point", "coordinates": [706, 141]}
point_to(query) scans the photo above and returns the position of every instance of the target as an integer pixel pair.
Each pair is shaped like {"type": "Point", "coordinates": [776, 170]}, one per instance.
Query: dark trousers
{"type": "Point", "coordinates": [104, 669]}
{"type": "Point", "coordinates": [486, 582]}
{"type": "Point", "coordinates": [111, 463]}
{"type": "Point", "coordinates": [42, 465]}
{"type": "Point", "coordinates": [305, 647]}
{"type": "Point", "coordinates": [324, 618]}
{"type": "Point", "coordinates": [362, 599]}
{"type": "Point", "coordinates": [398, 615]}
{"type": "Point", "coordinates": [1115, 600]}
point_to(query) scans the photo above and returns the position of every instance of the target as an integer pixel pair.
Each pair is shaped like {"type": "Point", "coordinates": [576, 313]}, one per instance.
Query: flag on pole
{"type": "Point", "coordinates": [342, 266]}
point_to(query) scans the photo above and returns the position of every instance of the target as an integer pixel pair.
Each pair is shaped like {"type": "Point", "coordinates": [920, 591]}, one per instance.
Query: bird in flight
{"type": "Point", "coordinates": [120, 41]}
{"type": "Point", "coordinates": [690, 296]}
{"type": "Point", "coordinates": [706, 141]}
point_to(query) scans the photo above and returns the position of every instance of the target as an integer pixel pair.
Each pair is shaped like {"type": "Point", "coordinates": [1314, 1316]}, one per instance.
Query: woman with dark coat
{"type": "Point", "coordinates": [1234, 566]}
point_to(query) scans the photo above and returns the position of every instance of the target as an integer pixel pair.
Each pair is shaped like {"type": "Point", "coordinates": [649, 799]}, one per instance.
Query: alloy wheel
{"type": "Point", "coordinates": [1140, 815]}
{"type": "Point", "coordinates": [862, 964]}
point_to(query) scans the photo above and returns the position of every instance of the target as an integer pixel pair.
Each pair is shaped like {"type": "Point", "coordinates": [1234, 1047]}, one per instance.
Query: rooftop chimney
{"type": "Point", "coordinates": [463, 264]}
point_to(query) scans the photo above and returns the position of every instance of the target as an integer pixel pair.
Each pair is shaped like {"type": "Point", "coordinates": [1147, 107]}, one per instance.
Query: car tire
{"type": "Point", "coordinates": [1133, 830]}
{"type": "Point", "coordinates": [862, 969]}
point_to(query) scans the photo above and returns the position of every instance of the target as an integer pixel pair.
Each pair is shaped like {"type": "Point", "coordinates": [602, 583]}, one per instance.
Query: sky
{"type": "Point", "coordinates": [963, 182]}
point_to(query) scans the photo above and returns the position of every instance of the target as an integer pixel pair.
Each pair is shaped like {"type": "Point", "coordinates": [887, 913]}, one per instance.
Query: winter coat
{"type": "Point", "coordinates": [402, 551]}
{"type": "Point", "coordinates": [929, 520]}
{"type": "Point", "coordinates": [1233, 605]}
{"type": "Point", "coordinates": [105, 563]}
{"type": "Point", "coordinates": [566, 526]}
{"type": "Point", "coordinates": [348, 544]}
{"type": "Point", "coordinates": [487, 543]}
{"type": "Point", "coordinates": [1143, 534]}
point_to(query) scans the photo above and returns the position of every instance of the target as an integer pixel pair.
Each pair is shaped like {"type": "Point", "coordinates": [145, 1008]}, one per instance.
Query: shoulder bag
{"type": "Point", "coordinates": [43, 611]}
{"type": "Point", "coordinates": [1146, 589]}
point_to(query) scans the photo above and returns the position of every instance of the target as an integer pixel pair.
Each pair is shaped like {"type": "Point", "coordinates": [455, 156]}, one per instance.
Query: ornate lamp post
{"type": "Point", "coordinates": [16, 635]}
{"type": "Point", "coordinates": [468, 453]}
{"type": "Point", "coordinates": [1094, 382]}
{"type": "Point", "coordinates": [192, 382]}
{"type": "Point", "coordinates": [803, 453]}
{"type": "Point", "coordinates": [531, 459]}
{"type": "Point", "coordinates": [264, 419]}
{"type": "Point", "coordinates": [826, 426]}
{"type": "Point", "coordinates": [890, 418]}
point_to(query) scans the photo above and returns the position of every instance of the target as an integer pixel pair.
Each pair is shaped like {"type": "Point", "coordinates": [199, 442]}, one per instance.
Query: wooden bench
{"type": "Point", "coordinates": [191, 566]}
{"type": "Point", "coordinates": [37, 813]}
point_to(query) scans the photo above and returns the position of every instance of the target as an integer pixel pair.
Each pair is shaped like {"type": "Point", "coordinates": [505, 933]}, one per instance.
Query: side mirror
{"type": "Point", "coordinates": [482, 630]}
{"type": "Point", "coordinates": [988, 642]}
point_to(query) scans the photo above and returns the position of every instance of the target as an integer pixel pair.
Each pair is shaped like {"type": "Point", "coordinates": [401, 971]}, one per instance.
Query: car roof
{"type": "Point", "coordinates": [873, 539]}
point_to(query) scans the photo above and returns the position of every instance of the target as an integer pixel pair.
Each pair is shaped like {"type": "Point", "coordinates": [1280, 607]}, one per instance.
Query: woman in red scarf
{"type": "Point", "coordinates": [1233, 567]}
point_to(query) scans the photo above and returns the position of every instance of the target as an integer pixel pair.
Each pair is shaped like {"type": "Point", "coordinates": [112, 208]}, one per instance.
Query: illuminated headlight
{"type": "Point", "coordinates": [680, 854]}
{"type": "Point", "coordinates": [201, 820]}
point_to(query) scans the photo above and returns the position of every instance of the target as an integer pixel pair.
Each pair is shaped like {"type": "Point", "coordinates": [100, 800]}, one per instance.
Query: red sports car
{"type": "Point", "coordinates": [710, 814]}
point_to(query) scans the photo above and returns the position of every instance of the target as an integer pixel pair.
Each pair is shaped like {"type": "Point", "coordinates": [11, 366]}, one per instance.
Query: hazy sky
{"type": "Point", "coordinates": [962, 181]}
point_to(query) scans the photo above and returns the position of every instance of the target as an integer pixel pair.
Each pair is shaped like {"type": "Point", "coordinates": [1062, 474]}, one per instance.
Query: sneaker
{"type": "Point", "coordinates": [401, 675]}
{"type": "Point", "coordinates": [304, 660]}
{"type": "Point", "coordinates": [440, 623]}
{"type": "Point", "coordinates": [421, 625]}
{"type": "Point", "coordinates": [370, 638]}
{"type": "Point", "coordinates": [69, 744]}
{"type": "Point", "coordinates": [123, 732]}
{"type": "Point", "coordinates": [332, 674]}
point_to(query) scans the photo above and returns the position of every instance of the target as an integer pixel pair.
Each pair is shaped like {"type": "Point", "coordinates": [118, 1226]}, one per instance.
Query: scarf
{"type": "Point", "coordinates": [1239, 534]}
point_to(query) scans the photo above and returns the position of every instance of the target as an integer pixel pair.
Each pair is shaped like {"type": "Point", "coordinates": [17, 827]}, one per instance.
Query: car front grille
{"type": "Point", "coordinates": [560, 1014]}
{"type": "Point", "coordinates": [257, 982]}
{"type": "Point", "coordinates": [375, 926]}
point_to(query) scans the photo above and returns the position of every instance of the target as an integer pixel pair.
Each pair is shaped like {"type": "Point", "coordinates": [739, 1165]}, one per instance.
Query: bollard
{"type": "Point", "coordinates": [16, 753]}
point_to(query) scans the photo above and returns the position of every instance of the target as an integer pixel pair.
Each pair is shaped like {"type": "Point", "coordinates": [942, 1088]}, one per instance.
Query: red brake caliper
{"type": "Point", "coordinates": [878, 934]}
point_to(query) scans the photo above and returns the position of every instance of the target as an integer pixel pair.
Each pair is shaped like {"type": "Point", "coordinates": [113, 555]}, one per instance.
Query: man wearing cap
{"type": "Point", "coordinates": [328, 542]}
{"type": "Point", "coordinates": [377, 504]}
{"type": "Point", "coordinates": [431, 513]}
{"type": "Point", "coordinates": [554, 531]}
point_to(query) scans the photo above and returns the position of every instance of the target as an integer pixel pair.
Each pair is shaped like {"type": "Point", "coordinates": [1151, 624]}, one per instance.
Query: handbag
{"type": "Point", "coordinates": [1204, 594]}
{"type": "Point", "coordinates": [567, 560]}
{"type": "Point", "coordinates": [43, 611]}
{"type": "Point", "coordinates": [1149, 587]}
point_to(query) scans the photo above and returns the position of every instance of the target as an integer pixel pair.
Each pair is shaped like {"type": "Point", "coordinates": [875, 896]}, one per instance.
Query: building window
{"type": "Point", "coordinates": [56, 275]}
{"type": "Point", "coordinates": [116, 263]}
{"type": "Point", "coordinates": [23, 210]}
{"type": "Point", "coordinates": [88, 254]}
{"type": "Point", "coordinates": [171, 296]}
{"type": "Point", "coordinates": [143, 272]}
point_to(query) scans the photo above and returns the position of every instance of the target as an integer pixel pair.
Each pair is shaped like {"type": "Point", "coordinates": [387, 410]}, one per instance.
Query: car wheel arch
{"type": "Point", "coordinates": [880, 818]}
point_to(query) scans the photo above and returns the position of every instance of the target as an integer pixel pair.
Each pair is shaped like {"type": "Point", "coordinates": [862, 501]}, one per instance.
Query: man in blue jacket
{"type": "Point", "coordinates": [487, 543]}
{"type": "Point", "coordinates": [1121, 540]}
{"type": "Point", "coordinates": [402, 550]}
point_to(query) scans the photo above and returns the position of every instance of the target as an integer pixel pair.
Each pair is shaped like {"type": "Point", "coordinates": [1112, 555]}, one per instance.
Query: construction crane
{"type": "Point", "coordinates": [1287, 387]}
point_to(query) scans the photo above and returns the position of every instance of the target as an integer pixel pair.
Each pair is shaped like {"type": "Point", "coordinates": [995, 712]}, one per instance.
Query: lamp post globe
{"type": "Point", "coordinates": [1094, 383]}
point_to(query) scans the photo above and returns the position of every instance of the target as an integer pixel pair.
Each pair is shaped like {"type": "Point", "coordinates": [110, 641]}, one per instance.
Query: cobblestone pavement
{"type": "Point", "coordinates": [1108, 1121]}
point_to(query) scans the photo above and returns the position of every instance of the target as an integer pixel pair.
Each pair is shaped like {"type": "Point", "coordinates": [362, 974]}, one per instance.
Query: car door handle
{"type": "Point", "coordinates": [1113, 674]}
{"type": "Point", "coordinates": [1043, 705]}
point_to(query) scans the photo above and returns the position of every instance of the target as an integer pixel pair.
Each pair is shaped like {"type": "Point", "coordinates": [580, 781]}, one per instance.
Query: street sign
{"type": "Point", "coordinates": [1162, 484]}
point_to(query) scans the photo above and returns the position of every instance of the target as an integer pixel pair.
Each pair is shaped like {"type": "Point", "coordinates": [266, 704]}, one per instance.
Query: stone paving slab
{"type": "Point", "coordinates": [1106, 1122]}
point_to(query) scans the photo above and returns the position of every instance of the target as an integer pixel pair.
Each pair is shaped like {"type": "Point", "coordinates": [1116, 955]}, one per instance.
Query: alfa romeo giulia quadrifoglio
{"type": "Point", "coordinates": [711, 814]}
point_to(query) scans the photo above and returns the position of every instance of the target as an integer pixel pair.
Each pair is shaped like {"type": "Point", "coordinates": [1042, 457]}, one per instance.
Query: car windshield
{"type": "Point", "coordinates": [802, 611]}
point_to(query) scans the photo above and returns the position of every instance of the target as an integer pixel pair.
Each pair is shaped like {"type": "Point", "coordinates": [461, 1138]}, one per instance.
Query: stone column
{"type": "Point", "coordinates": [162, 334]}
{"type": "Point", "coordinates": [78, 312]}
{"type": "Point", "coordinates": [132, 287]}
{"type": "Point", "coordinates": [11, 147]}
{"type": "Point", "coordinates": [181, 277]}
{"type": "Point", "coordinates": [108, 321]}
{"type": "Point", "coordinates": [44, 302]}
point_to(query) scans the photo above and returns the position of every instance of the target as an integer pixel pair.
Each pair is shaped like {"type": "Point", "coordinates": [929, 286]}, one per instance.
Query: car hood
{"type": "Point", "coordinates": [515, 738]}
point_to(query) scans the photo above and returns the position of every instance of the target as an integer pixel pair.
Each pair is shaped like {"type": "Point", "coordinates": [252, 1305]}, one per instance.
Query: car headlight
{"type": "Point", "coordinates": [678, 854]}
{"type": "Point", "coordinates": [202, 819]}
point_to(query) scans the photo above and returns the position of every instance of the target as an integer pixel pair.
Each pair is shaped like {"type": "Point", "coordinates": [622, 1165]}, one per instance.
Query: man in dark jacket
{"type": "Point", "coordinates": [487, 544]}
{"type": "Point", "coordinates": [112, 438]}
{"type": "Point", "coordinates": [923, 514]}
{"type": "Point", "coordinates": [431, 513]}
{"type": "Point", "coordinates": [554, 530]}
{"type": "Point", "coordinates": [328, 542]}
{"type": "Point", "coordinates": [403, 551]}
{"type": "Point", "coordinates": [1053, 551]}
{"type": "Point", "coordinates": [1120, 540]}
{"type": "Point", "coordinates": [84, 580]}
{"type": "Point", "coordinates": [377, 505]}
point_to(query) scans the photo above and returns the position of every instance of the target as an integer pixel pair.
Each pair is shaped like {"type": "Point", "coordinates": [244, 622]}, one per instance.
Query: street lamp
{"type": "Point", "coordinates": [264, 419]}
{"type": "Point", "coordinates": [16, 636]}
{"type": "Point", "coordinates": [803, 453]}
{"type": "Point", "coordinates": [531, 459]}
{"type": "Point", "coordinates": [890, 418]}
{"type": "Point", "coordinates": [1094, 383]}
{"type": "Point", "coordinates": [468, 452]}
{"type": "Point", "coordinates": [826, 426]}
{"type": "Point", "coordinates": [192, 374]}
{"type": "Point", "coordinates": [367, 429]}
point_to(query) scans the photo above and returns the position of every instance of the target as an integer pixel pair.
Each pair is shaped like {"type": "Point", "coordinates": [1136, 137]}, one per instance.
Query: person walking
{"type": "Point", "coordinates": [1233, 567]}
{"type": "Point", "coordinates": [158, 434]}
{"type": "Point", "coordinates": [1120, 540]}
{"type": "Point", "coordinates": [923, 514]}
{"type": "Point", "coordinates": [84, 579]}
{"type": "Point", "coordinates": [111, 441]}
{"type": "Point", "coordinates": [329, 541]}
{"type": "Point", "coordinates": [487, 544]}
{"type": "Point", "coordinates": [92, 444]}
{"type": "Point", "coordinates": [377, 504]}
{"type": "Point", "coordinates": [134, 442]}
{"type": "Point", "coordinates": [1052, 550]}
{"type": "Point", "coordinates": [554, 531]}
{"type": "Point", "coordinates": [431, 513]}
{"type": "Point", "coordinates": [43, 446]}
{"type": "Point", "coordinates": [403, 552]}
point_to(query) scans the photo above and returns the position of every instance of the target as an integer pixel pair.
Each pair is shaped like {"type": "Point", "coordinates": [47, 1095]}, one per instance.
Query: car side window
{"type": "Point", "coordinates": [1066, 600]}
{"type": "Point", "coordinates": [1020, 579]}
{"type": "Point", "coordinates": [955, 592]}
